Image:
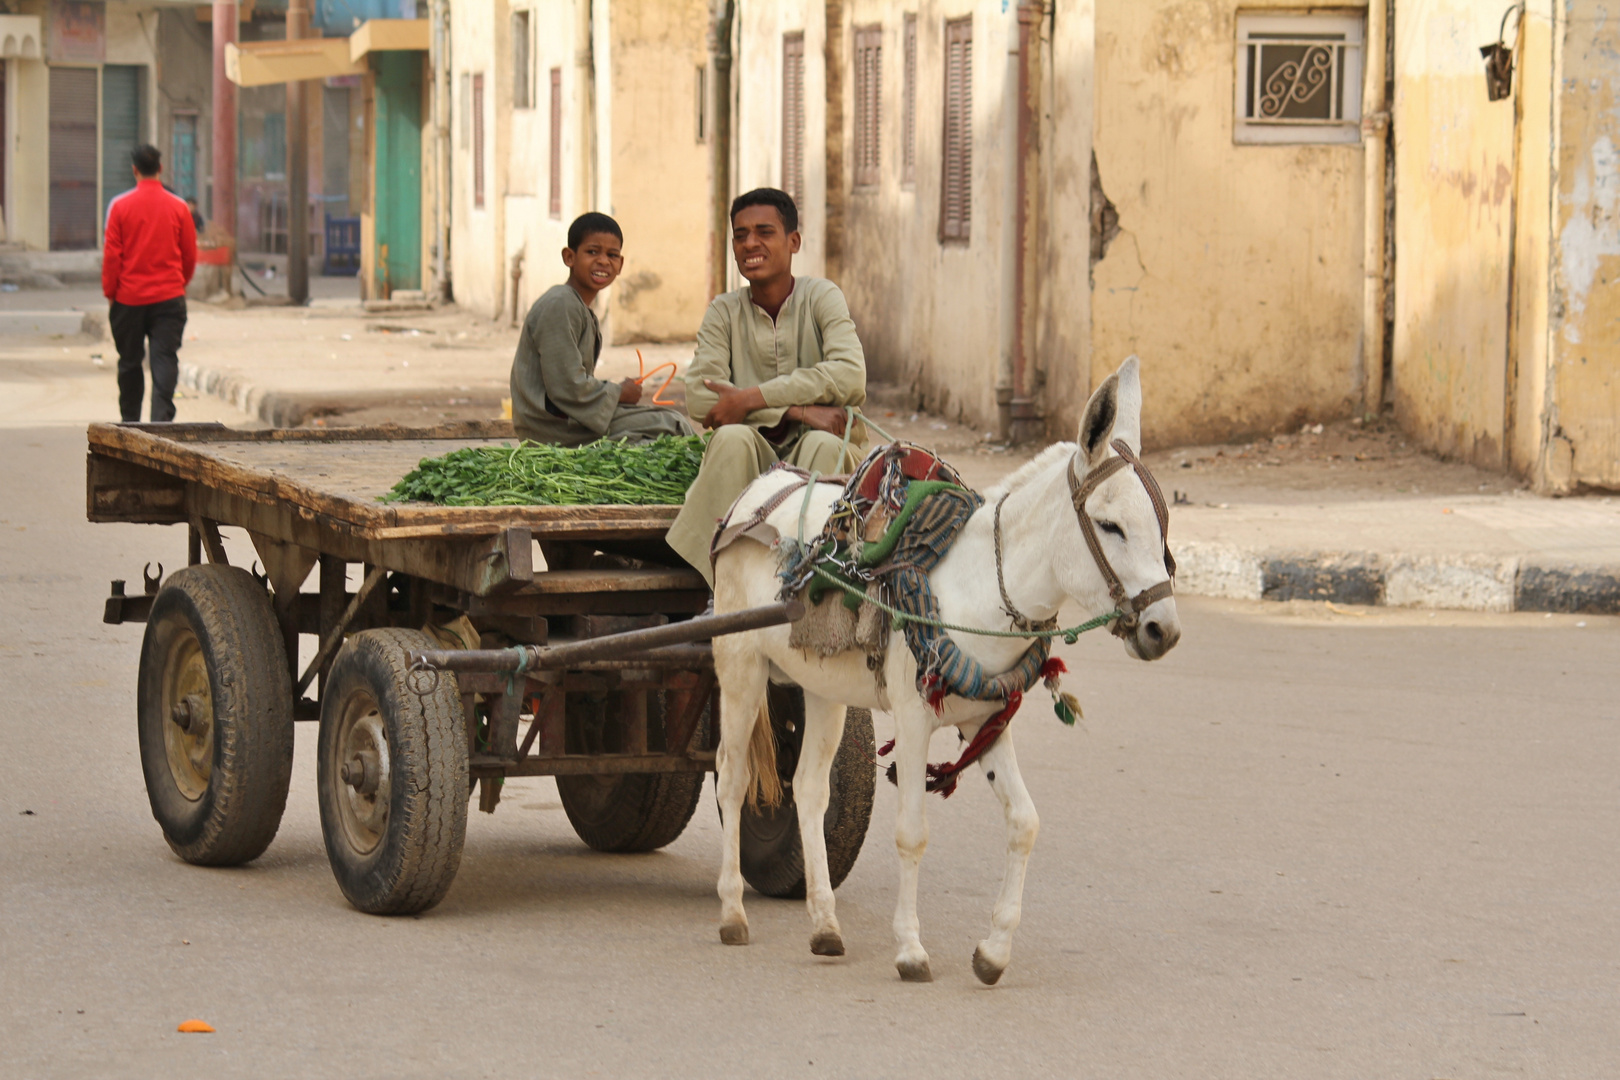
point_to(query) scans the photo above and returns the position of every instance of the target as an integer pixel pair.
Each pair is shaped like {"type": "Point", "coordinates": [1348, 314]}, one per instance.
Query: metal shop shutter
{"type": "Point", "coordinates": [73, 158]}
{"type": "Point", "coordinates": [121, 114]}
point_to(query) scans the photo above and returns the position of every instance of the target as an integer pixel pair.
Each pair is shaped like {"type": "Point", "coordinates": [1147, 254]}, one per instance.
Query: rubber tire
{"type": "Point", "coordinates": [771, 850]}
{"type": "Point", "coordinates": [630, 812]}
{"type": "Point", "coordinates": [411, 868]}
{"type": "Point", "coordinates": [239, 812]}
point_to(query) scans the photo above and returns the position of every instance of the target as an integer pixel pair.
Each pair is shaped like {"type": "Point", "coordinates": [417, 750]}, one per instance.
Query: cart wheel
{"type": "Point", "coordinates": [631, 812]}
{"type": "Point", "coordinates": [772, 854]}
{"type": "Point", "coordinates": [392, 775]}
{"type": "Point", "coordinates": [214, 708]}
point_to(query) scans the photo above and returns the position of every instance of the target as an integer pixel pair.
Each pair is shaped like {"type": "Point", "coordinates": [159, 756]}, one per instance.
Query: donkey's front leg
{"type": "Point", "coordinates": [823, 730]}
{"type": "Point", "coordinates": [742, 677]}
{"type": "Point", "coordinates": [911, 732]}
{"type": "Point", "coordinates": [1001, 767]}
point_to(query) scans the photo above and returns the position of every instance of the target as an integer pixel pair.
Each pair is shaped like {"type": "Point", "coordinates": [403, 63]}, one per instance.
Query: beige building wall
{"type": "Point", "coordinates": [1582, 412]}
{"type": "Point", "coordinates": [1237, 272]}
{"type": "Point", "coordinates": [1454, 183]}
{"type": "Point", "coordinates": [28, 192]}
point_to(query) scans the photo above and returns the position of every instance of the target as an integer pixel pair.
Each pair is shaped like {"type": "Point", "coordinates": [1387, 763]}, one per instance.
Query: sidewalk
{"type": "Point", "coordinates": [1345, 515]}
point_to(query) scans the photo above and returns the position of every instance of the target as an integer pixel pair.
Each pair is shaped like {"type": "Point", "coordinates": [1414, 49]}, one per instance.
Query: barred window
{"type": "Point", "coordinates": [956, 161]}
{"type": "Point", "coordinates": [908, 106]}
{"type": "Point", "coordinates": [1298, 78]}
{"type": "Point", "coordinates": [478, 139]}
{"type": "Point", "coordinates": [522, 73]}
{"type": "Point", "coordinates": [793, 115]}
{"type": "Point", "coordinates": [868, 102]}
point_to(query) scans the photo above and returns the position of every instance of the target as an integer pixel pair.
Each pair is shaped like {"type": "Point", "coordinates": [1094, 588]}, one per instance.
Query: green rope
{"type": "Point", "coordinates": [1070, 635]}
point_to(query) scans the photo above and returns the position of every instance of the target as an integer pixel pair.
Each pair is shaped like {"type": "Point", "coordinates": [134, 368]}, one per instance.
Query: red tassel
{"type": "Point", "coordinates": [935, 692]}
{"type": "Point", "coordinates": [886, 749]}
{"type": "Point", "coordinates": [1053, 668]}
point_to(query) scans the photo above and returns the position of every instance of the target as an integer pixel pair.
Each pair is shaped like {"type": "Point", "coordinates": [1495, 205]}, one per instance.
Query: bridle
{"type": "Point", "coordinates": [1130, 608]}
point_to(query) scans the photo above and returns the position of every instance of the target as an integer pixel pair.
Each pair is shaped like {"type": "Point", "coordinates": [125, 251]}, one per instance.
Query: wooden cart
{"type": "Point", "coordinates": [603, 678]}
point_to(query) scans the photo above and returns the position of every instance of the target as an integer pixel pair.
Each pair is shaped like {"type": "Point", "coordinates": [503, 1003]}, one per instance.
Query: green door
{"type": "Point", "coordinates": [121, 115]}
{"type": "Point", "coordinates": [398, 165]}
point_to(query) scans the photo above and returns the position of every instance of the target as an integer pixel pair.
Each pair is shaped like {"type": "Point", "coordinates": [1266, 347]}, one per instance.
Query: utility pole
{"type": "Point", "coordinates": [223, 208]}
{"type": "Point", "coordinates": [298, 166]}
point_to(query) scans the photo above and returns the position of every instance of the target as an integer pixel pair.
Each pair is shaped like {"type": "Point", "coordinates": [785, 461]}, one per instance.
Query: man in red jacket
{"type": "Point", "coordinates": [146, 263]}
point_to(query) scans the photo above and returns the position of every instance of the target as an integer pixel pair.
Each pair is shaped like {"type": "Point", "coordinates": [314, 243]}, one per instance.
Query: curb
{"type": "Point", "coordinates": [280, 409]}
{"type": "Point", "coordinates": [1450, 582]}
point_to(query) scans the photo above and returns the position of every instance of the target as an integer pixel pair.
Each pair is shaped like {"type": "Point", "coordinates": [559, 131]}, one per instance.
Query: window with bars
{"type": "Point", "coordinates": [478, 139]}
{"type": "Point", "coordinates": [1298, 78]}
{"type": "Point", "coordinates": [556, 142]}
{"type": "Point", "coordinates": [793, 115]}
{"type": "Point", "coordinates": [956, 158]}
{"type": "Point", "coordinates": [868, 103]}
{"type": "Point", "coordinates": [522, 69]}
{"type": "Point", "coordinates": [908, 107]}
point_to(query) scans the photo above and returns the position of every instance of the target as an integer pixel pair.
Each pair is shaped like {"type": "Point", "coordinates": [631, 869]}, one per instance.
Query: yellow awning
{"type": "Point", "coordinates": [385, 35]}
{"type": "Point", "coordinates": [264, 63]}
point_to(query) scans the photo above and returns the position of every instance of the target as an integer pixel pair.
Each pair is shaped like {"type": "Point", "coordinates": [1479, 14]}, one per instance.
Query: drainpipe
{"type": "Point", "coordinates": [1374, 141]}
{"type": "Point", "coordinates": [298, 166]}
{"type": "Point", "coordinates": [223, 210]}
{"type": "Point", "coordinates": [720, 143]}
{"type": "Point", "coordinates": [1016, 408]}
{"type": "Point", "coordinates": [439, 63]}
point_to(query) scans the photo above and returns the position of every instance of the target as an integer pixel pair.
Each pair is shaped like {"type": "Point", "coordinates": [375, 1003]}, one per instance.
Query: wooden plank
{"type": "Point", "coordinates": [589, 764]}
{"type": "Point", "coordinates": [552, 582]}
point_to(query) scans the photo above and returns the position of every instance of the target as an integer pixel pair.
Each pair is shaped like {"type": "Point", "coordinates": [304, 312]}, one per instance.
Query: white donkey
{"type": "Point", "coordinates": [1047, 559]}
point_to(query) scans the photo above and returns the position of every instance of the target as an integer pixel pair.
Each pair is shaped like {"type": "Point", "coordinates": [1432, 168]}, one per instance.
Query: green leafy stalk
{"type": "Point", "coordinates": [602, 473]}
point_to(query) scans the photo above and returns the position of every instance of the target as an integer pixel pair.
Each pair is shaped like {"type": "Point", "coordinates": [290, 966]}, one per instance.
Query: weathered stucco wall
{"type": "Point", "coordinates": [28, 198]}
{"type": "Point", "coordinates": [1237, 271]}
{"type": "Point", "coordinates": [660, 169]}
{"type": "Point", "coordinates": [1454, 183]}
{"type": "Point", "coordinates": [1583, 381]}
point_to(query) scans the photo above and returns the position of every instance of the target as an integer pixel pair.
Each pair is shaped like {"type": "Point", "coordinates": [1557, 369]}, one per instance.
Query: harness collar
{"type": "Point", "coordinates": [1130, 608]}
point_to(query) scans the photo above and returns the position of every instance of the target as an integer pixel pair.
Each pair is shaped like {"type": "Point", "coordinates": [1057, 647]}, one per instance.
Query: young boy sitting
{"type": "Point", "coordinates": [556, 397]}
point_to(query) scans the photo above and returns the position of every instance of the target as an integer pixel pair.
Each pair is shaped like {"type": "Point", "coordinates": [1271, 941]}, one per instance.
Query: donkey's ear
{"type": "Point", "coordinates": [1097, 424]}
{"type": "Point", "coordinates": [1128, 417]}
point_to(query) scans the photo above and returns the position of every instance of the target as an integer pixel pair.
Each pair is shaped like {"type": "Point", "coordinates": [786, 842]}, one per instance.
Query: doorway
{"type": "Point", "coordinates": [123, 97]}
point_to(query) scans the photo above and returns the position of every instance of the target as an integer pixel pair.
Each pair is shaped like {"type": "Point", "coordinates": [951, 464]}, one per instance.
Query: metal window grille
{"type": "Point", "coordinates": [908, 117]}
{"type": "Point", "coordinates": [868, 103]}
{"type": "Point", "coordinates": [556, 142]}
{"type": "Point", "coordinates": [478, 139]}
{"type": "Point", "coordinates": [956, 162]}
{"type": "Point", "coordinates": [793, 115]}
{"type": "Point", "coordinates": [1299, 78]}
{"type": "Point", "coordinates": [522, 71]}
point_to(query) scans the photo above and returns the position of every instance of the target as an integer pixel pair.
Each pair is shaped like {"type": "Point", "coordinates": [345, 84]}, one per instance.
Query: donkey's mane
{"type": "Point", "coordinates": [1031, 468]}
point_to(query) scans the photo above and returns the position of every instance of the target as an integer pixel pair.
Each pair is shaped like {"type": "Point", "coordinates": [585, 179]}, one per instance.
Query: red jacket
{"type": "Point", "coordinates": [151, 245]}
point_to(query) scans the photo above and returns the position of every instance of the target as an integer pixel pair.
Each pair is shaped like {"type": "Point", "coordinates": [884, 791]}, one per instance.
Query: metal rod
{"type": "Point", "coordinates": [609, 646]}
{"type": "Point", "coordinates": [590, 764]}
{"type": "Point", "coordinates": [335, 638]}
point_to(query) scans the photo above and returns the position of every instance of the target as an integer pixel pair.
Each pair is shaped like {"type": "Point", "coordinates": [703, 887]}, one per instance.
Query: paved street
{"type": "Point", "coordinates": [1308, 843]}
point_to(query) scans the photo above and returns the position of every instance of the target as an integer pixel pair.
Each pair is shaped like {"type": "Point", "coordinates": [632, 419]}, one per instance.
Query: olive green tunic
{"type": "Point", "coordinates": [555, 365]}
{"type": "Point", "coordinates": [809, 355]}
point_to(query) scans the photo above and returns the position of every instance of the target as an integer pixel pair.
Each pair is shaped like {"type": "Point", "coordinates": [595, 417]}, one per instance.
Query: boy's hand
{"type": "Point", "coordinates": [828, 418]}
{"type": "Point", "coordinates": [629, 392]}
{"type": "Point", "coordinates": [734, 404]}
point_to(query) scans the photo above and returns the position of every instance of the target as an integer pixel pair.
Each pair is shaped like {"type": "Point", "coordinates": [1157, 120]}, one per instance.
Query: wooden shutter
{"type": "Point", "coordinates": [793, 115]}
{"type": "Point", "coordinates": [868, 102]}
{"type": "Point", "coordinates": [556, 142]}
{"type": "Point", "coordinates": [908, 118]}
{"type": "Point", "coordinates": [956, 166]}
{"type": "Point", "coordinates": [522, 70]}
{"type": "Point", "coordinates": [73, 158]}
{"type": "Point", "coordinates": [478, 139]}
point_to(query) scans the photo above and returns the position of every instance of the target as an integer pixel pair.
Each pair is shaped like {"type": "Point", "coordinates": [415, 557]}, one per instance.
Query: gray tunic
{"type": "Point", "coordinates": [556, 397]}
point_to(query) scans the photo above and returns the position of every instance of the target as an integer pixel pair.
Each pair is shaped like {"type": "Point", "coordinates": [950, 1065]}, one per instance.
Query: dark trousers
{"type": "Point", "coordinates": [164, 324]}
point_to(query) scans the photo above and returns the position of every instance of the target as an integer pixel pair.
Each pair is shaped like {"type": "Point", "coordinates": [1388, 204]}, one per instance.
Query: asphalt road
{"type": "Point", "coordinates": [1306, 844]}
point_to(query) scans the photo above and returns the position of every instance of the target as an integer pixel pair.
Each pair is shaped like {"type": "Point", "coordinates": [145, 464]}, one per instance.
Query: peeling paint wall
{"type": "Point", "coordinates": [1237, 271]}
{"type": "Point", "coordinates": [1582, 417]}
{"type": "Point", "coordinates": [1454, 184]}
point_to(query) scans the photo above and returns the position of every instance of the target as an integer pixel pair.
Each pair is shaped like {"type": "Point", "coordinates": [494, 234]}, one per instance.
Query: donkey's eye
{"type": "Point", "coordinates": [1110, 527]}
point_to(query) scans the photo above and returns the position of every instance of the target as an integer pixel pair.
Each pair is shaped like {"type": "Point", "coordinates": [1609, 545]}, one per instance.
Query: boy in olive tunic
{"type": "Point", "coordinates": [556, 397]}
{"type": "Point", "coordinates": [775, 366]}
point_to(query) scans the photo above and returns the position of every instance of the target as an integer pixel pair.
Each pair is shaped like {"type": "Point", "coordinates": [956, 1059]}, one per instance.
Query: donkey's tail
{"type": "Point", "coordinates": [764, 785]}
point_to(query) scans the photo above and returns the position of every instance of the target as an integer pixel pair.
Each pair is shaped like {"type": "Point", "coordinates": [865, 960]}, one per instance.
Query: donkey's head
{"type": "Point", "coordinates": [1124, 562]}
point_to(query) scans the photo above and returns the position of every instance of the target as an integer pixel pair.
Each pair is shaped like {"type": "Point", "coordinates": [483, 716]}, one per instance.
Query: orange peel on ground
{"type": "Point", "coordinates": [196, 1027]}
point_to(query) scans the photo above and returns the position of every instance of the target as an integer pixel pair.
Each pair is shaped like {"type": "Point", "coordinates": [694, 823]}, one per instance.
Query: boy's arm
{"type": "Point", "coordinates": [840, 376]}
{"type": "Point", "coordinates": [560, 377]}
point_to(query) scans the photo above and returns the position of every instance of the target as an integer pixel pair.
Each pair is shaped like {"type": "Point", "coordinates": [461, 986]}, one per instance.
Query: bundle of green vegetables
{"type": "Point", "coordinates": [605, 472]}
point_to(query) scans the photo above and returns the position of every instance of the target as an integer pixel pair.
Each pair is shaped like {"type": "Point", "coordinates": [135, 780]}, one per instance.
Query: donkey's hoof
{"type": "Point", "coordinates": [827, 943]}
{"type": "Point", "coordinates": [914, 970]}
{"type": "Point", "coordinates": [734, 933]}
{"type": "Point", "coordinates": [987, 972]}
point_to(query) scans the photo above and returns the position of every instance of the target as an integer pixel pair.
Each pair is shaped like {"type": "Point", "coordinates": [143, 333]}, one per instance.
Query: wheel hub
{"type": "Point", "coordinates": [360, 764]}
{"type": "Point", "coordinates": [188, 700]}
